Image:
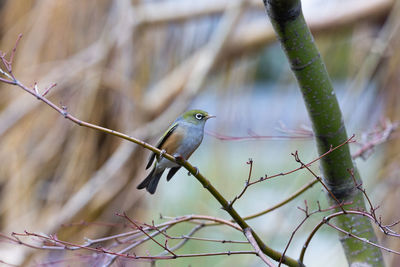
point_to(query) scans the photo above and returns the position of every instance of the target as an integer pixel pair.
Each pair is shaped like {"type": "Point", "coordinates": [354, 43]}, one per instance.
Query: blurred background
{"type": "Point", "coordinates": [134, 66]}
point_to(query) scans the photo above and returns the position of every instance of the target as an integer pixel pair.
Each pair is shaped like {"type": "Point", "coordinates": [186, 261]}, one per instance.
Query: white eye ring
{"type": "Point", "coordinates": [198, 116]}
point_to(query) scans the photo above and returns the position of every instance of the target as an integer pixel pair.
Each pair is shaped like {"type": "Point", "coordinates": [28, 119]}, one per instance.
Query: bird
{"type": "Point", "coordinates": [181, 139]}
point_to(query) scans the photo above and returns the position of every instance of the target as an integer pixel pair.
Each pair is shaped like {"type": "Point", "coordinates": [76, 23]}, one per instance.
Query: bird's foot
{"type": "Point", "coordinates": [162, 153]}
{"type": "Point", "coordinates": [197, 171]}
{"type": "Point", "coordinates": [178, 157]}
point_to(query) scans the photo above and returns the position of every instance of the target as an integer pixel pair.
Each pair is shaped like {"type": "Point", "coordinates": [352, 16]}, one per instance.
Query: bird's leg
{"type": "Point", "coordinates": [179, 158]}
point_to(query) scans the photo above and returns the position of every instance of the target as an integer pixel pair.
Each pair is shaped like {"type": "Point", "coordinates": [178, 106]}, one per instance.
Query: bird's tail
{"type": "Point", "coordinates": [151, 181]}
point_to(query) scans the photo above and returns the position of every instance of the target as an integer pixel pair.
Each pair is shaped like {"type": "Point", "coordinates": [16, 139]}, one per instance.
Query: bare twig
{"type": "Point", "coordinates": [296, 194]}
{"type": "Point", "coordinates": [185, 238]}
{"type": "Point", "coordinates": [144, 232]}
{"type": "Point", "coordinates": [246, 184]}
{"type": "Point", "coordinates": [252, 241]}
{"type": "Point", "coordinates": [283, 202]}
{"type": "Point", "coordinates": [297, 159]}
{"type": "Point", "coordinates": [120, 238]}
{"type": "Point", "coordinates": [7, 264]}
{"type": "Point", "coordinates": [223, 241]}
{"type": "Point", "coordinates": [378, 137]}
{"type": "Point", "coordinates": [266, 177]}
{"type": "Point", "coordinates": [326, 219]}
{"type": "Point", "coordinates": [362, 239]}
{"type": "Point", "coordinates": [386, 229]}
{"type": "Point", "coordinates": [130, 247]}
{"type": "Point", "coordinates": [63, 245]}
{"type": "Point", "coordinates": [307, 215]}
{"type": "Point", "coordinates": [253, 136]}
{"type": "Point", "coordinates": [8, 63]}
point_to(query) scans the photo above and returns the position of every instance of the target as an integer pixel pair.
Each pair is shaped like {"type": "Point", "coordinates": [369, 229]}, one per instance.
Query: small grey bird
{"type": "Point", "coordinates": [182, 138]}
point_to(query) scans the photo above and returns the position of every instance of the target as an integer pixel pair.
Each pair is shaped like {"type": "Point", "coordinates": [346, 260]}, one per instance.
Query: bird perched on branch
{"type": "Point", "coordinates": [181, 139]}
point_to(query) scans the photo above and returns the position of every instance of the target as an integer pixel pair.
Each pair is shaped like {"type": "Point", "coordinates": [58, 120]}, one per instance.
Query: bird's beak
{"type": "Point", "coordinates": [209, 116]}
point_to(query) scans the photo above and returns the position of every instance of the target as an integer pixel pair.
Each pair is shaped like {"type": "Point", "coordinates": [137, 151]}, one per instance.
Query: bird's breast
{"type": "Point", "coordinates": [191, 141]}
{"type": "Point", "coordinates": [184, 141]}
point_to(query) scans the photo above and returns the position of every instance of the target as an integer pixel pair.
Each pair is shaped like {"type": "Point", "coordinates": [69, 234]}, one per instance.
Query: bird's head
{"type": "Point", "coordinates": [196, 116]}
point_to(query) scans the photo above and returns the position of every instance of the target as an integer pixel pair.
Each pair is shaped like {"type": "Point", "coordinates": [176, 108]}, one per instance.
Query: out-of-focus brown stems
{"type": "Point", "coordinates": [193, 170]}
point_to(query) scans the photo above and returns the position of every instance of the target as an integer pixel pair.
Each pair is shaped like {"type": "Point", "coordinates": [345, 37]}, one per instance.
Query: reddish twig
{"type": "Point", "coordinates": [302, 131]}
{"type": "Point", "coordinates": [297, 159]}
{"type": "Point", "coordinates": [362, 239]}
{"type": "Point", "coordinates": [246, 183]}
{"type": "Point", "coordinates": [67, 245]}
{"type": "Point", "coordinates": [96, 223]}
{"type": "Point", "coordinates": [252, 241]}
{"type": "Point", "coordinates": [8, 63]}
{"type": "Point", "coordinates": [350, 140]}
{"type": "Point", "coordinates": [131, 246]}
{"type": "Point", "coordinates": [47, 90]}
{"type": "Point", "coordinates": [376, 138]}
{"type": "Point", "coordinates": [11, 79]}
{"type": "Point", "coordinates": [326, 219]}
{"type": "Point", "coordinates": [302, 190]}
{"type": "Point", "coordinates": [185, 238]}
{"type": "Point", "coordinates": [253, 136]}
{"type": "Point", "coordinates": [283, 202]}
{"type": "Point", "coordinates": [372, 210]}
{"type": "Point", "coordinates": [223, 241]}
{"type": "Point", "coordinates": [8, 264]}
{"type": "Point", "coordinates": [307, 215]}
{"type": "Point", "coordinates": [144, 232]}
{"type": "Point", "coordinates": [128, 238]}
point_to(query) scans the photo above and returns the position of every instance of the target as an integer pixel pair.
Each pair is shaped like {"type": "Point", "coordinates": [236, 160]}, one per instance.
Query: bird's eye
{"type": "Point", "coordinates": [199, 116]}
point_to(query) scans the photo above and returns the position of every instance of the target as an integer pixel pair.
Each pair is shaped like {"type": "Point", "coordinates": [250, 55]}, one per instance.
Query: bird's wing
{"type": "Point", "coordinates": [161, 141]}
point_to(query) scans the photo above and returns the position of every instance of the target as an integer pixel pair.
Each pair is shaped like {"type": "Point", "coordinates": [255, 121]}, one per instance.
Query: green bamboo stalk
{"type": "Point", "coordinates": [324, 111]}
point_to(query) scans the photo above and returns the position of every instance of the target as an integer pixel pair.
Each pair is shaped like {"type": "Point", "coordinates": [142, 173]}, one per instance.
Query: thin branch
{"type": "Point", "coordinates": [306, 166]}
{"type": "Point", "coordinates": [333, 215]}
{"type": "Point", "coordinates": [283, 202]}
{"type": "Point", "coordinates": [253, 136]}
{"type": "Point", "coordinates": [362, 239]}
{"type": "Point", "coordinates": [297, 193]}
{"type": "Point", "coordinates": [307, 215]}
{"type": "Point", "coordinates": [297, 158]}
{"type": "Point", "coordinates": [13, 53]}
{"type": "Point", "coordinates": [129, 235]}
{"type": "Point", "coordinates": [223, 241]}
{"type": "Point", "coordinates": [8, 264]}
{"type": "Point", "coordinates": [186, 238]}
{"type": "Point", "coordinates": [62, 245]}
{"type": "Point", "coordinates": [246, 184]}
{"type": "Point", "coordinates": [378, 137]}
{"type": "Point", "coordinates": [194, 171]}
{"type": "Point", "coordinates": [372, 210]}
{"type": "Point", "coordinates": [348, 141]}
{"type": "Point", "coordinates": [252, 241]}
{"type": "Point", "coordinates": [235, 216]}
{"type": "Point", "coordinates": [144, 232]}
{"type": "Point", "coordinates": [130, 247]}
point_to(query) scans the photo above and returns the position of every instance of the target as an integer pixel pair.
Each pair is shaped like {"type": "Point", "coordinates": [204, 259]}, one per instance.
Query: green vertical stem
{"type": "Point", "coordinates": [324, 111]}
